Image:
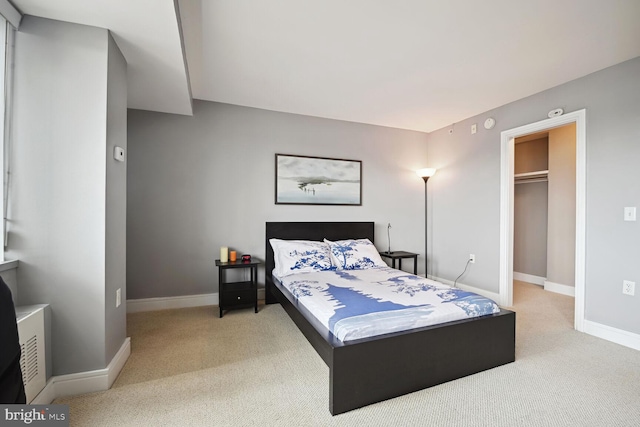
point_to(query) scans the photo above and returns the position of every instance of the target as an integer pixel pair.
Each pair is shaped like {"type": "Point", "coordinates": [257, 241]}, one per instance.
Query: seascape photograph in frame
{"type": "Point", "coordinates": [305, 180]}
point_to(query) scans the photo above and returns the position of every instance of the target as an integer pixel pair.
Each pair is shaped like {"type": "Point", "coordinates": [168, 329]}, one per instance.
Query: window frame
{"type": "Point", "coordinates": [7, 36]}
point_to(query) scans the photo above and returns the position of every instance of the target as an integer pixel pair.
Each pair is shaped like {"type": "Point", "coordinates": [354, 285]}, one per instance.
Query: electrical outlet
{"type": "Point", "coordinates": [630, 213]}
{"type": "Point", "coordinates": [118, 297]}
{"type": "Point", "coordinates": [472, 258]}
{"type": "Point", "coordinates": [628, 287]}
{"type": "Point", "coordinates": [474, 128]}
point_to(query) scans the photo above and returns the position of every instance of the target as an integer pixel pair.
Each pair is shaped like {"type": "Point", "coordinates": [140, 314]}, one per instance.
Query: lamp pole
{"type": "Point", "coordinates": [426, 223]}
{"type": "Point", "coordinates": [425, 174]}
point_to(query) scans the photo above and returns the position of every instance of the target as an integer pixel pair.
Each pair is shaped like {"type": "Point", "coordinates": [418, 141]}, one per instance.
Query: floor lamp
{"type": "Point", "coordinates": [425, 174]}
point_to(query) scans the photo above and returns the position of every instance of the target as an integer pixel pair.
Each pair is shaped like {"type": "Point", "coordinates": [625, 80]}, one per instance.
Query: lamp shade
{"type": "Point", "coordinates": [426, 172]}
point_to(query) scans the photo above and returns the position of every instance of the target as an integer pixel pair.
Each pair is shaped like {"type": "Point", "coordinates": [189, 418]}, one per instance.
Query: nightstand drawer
{"type": "Point", "coordinates": [230, 298]}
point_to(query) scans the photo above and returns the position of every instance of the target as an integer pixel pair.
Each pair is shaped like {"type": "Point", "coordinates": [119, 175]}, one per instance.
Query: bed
{"type": "Point", "coordinates": [368, 370]}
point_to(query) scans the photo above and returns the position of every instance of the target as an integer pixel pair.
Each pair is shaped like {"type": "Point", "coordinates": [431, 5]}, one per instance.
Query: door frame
{"type": "Point", "coordinates": [507, 144]}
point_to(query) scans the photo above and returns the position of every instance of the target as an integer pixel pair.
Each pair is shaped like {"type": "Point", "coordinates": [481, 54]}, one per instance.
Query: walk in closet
{"type": "Point", "coordinates": [544, 209]}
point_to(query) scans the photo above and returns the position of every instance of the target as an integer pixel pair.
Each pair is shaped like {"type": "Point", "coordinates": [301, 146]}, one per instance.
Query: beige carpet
{"type": "Point", "coordinates": [190, 368]}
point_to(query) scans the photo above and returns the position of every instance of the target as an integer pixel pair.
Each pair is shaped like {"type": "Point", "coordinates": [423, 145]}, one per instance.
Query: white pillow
{"type": "Point", "coordinates": [355, 254]}
{"type": "Point", "coordinates": [300, 256]}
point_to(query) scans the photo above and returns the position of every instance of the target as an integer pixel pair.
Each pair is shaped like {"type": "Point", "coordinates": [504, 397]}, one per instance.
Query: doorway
{"type": "Point", "coordinates": [507, 206]}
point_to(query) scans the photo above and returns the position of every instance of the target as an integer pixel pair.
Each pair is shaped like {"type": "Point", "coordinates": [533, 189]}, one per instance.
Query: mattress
{"type": "Point", "coordinates": [356, 304]}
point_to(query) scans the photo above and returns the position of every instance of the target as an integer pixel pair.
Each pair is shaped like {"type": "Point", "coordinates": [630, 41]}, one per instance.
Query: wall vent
{"type": "Point", "coordinates": [32, 359]}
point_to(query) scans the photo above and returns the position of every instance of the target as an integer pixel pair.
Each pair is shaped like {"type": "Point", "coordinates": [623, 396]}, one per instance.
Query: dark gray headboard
{"type": "Point", "coordinates": [310, 231]}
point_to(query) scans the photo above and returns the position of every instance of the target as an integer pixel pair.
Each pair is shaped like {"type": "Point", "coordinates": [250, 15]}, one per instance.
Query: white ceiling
{"type": "Point", "coordinates": [411, 64]}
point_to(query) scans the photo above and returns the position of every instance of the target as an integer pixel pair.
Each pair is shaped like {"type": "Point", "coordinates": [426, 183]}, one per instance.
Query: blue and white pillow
{"type": "Point", "coordinates": [300, 256]}
{"type": "Point", "coordinates": [357, 254]}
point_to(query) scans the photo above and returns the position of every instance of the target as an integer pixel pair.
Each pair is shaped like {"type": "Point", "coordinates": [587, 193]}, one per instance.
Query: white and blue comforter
{"type": "Point", "coordinates": [356, 304]}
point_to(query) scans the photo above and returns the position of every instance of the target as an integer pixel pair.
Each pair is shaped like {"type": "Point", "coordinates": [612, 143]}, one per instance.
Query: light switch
{"type": "Point", "coordinates": [630, 213]}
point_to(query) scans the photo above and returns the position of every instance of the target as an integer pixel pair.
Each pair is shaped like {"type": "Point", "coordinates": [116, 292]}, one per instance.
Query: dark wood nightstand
{"type": "Point", "coordinates": [400, 255]}
{"type": "Point", "coordinates": [238, 294]}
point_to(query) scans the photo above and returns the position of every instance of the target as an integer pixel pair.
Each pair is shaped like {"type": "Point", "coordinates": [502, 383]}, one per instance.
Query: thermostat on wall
{"type": "Point", "coordinates": [118, 154]}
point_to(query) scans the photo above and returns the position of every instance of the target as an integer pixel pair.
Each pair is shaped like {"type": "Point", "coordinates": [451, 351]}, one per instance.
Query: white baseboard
{"type": "Point", "coordinates": [47, 395]}
{"type": "Point", "coordinates": [618, 336]}
{"type": "Point", "coordinates": [163, 303]}
{"type": "Point", "coordinates": [488, 294]}
{"type": "Point", "coordinates": [84, 382]}
{"type": "Point", "coordinates": [117, 363]}
{"type": "Point", "coordinates": [529, 278]}
{"type": "Point", "coordinates": [559, 288]}
{"type": "Point", "coordinates": [184, 301]}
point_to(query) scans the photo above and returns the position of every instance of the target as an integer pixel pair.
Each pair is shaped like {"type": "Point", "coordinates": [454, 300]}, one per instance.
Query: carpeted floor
{"type": "Point", "coordinates": [190, 368]}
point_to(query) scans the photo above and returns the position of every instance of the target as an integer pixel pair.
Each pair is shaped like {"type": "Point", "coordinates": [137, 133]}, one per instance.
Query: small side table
{"type": "Point", "coordinates": [400, 255]}
{"type": "Point", "coordinates": [238, 294]}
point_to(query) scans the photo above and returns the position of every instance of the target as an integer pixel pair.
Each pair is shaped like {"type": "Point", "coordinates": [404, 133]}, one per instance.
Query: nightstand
{"type": "Point", "coordinates": [242, 294]}
{"type": "Point", "coordinates": [400, 255]}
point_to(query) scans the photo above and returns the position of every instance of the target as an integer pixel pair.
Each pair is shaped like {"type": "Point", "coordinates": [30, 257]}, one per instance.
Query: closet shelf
{"type": "Point", "coordinates": [527, 177]}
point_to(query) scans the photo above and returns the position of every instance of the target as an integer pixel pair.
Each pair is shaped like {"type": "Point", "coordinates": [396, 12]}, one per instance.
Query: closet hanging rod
{"type": "Point", "coordinates": [534, 174]}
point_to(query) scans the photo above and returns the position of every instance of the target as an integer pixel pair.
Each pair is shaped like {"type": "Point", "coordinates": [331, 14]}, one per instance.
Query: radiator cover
{"type": "Point", "coordinates": [32, 344]}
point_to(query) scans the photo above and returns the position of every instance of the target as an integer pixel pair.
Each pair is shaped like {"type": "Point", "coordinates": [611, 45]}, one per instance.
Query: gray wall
{"type": "Point", "coordinates": [57, 216]}
{"type": "Point", "coordinates": [202, 182]}
{"type": "Point", "coordinates": [116, 203]}
{"type": "Point", "coordinates": [466, 189]}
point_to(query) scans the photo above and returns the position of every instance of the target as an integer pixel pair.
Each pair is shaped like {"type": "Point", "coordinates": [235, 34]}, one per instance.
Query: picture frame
{"type": "Point", "coordinates": [307, 180]}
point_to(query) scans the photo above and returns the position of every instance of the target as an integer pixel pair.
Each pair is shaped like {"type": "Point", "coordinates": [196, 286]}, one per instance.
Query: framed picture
{"type": "Point", "coordinates": [304, 180]}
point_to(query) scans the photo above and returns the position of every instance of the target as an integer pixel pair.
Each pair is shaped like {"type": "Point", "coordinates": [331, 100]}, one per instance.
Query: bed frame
{"type": "Point", "coordinates": [373, 369]}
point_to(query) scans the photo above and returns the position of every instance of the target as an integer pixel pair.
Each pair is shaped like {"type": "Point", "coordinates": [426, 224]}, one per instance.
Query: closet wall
{"type": "Point", "coordinates": [530, 208]}
{"type": "Point", "coordinates": [561, 244]}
